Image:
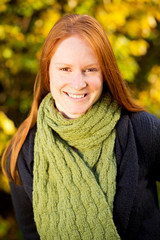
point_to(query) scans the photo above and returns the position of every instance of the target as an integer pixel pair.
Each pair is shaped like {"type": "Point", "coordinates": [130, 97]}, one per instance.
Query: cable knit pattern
{"type": "Point", "coordinates": [73, 190]}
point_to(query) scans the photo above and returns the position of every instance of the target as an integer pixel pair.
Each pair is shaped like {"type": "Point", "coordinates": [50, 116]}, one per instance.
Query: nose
{"type": "Point", "coordinates": [78, 81]}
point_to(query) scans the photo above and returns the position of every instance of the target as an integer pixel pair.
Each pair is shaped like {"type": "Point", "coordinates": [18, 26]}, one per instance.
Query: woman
{"type": "Point", "coordinates": [84, 164]}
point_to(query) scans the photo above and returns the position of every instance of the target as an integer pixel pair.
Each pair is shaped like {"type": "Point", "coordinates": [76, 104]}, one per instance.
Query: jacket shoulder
{"type": "Point", "coordinates": [145, 130]}
{"type": "Point", "coordinates": [143, 123]}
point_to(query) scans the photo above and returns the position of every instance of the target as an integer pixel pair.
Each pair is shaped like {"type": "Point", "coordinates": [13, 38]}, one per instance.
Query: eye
{"type": "Point", "coordinates": [65, 69]}
{"type": "Point", "coordinates": [91, 70]}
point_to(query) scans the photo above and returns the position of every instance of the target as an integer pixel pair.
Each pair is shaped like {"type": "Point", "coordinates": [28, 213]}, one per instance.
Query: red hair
{"type": "Point", "coordinates": [88, 28]}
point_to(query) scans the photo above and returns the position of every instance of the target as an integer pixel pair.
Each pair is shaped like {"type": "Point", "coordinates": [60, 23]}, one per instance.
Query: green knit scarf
{"type": "Point", "coordinates": [74, 173]}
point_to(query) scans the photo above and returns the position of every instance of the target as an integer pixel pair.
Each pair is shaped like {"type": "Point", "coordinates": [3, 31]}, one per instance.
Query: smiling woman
{"type": "Point", "coordinates": [85, 162]}
{"type": "Point", "coordinates": [76, 80]}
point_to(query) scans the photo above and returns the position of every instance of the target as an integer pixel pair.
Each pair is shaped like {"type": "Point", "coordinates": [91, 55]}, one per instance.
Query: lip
{"type": "Point", "coordinates": [75, 96]}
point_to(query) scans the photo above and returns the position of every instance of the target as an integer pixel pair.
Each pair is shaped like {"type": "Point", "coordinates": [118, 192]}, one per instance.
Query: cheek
{"type": "Point", "coordinates": [55, 81]}
{"type": "Point", "coordinates": [96, 83]}
{"type": "Point", "coordinates": [58, 79]}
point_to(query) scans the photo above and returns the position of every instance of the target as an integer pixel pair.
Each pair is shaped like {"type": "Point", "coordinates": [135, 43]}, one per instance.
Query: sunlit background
{"type": "Point", "coordinates": [133, 28]}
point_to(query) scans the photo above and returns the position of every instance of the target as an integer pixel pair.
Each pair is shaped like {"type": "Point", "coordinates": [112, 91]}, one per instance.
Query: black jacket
{"type": "Point", "coordinates": [136, 212]}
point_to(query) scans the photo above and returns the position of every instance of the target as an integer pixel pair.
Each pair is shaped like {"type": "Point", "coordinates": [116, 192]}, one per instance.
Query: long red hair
{"type": "Point", "coordinates": [88, 28]}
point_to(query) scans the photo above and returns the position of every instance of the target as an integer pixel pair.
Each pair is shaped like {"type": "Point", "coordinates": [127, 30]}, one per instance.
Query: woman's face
{"type": "Point", "coordinates": [76, 80]}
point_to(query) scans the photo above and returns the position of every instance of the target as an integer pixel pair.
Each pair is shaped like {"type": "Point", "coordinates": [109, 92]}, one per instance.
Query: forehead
{"type": "Point", "coordinates": [73, 48]}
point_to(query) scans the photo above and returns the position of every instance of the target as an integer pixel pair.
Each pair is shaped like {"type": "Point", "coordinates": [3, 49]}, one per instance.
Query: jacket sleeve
{"type": "Point", "coordinates": [24, 212]}
{"type": "Point", "coordinates": [22, 195]}
{"type": "Point", "coordinates": [156, 149]}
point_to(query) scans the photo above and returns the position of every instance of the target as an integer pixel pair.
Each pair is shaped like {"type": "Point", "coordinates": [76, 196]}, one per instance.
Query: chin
{"type": "Point", "coordinates": [75, 114]}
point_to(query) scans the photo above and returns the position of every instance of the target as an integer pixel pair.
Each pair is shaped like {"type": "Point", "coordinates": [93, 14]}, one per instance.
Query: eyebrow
{"type": "Point", "coordinates": [62, 64]}
{"type": "Point", "coordinates": [70, 65]}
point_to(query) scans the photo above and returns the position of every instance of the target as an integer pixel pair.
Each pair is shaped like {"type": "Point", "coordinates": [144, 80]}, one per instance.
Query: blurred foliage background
{"type": "Point", "coordinates": [133, 27]}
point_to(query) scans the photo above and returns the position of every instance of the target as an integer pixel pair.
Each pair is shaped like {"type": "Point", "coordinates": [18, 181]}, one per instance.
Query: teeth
{"type": "Point", "coordinates": [75, 96]}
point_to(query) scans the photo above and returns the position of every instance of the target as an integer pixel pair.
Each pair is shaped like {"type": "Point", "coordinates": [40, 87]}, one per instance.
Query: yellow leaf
{"type": "Point", "coordinates": [6, 124]}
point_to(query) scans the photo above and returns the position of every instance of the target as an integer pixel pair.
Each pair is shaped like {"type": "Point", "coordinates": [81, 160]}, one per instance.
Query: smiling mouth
{"type": "Point", "coordinates": [76, 96]}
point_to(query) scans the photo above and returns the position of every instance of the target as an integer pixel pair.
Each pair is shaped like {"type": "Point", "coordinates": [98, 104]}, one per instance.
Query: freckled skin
{"type": "Point", "coordinates": [76, 80]}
